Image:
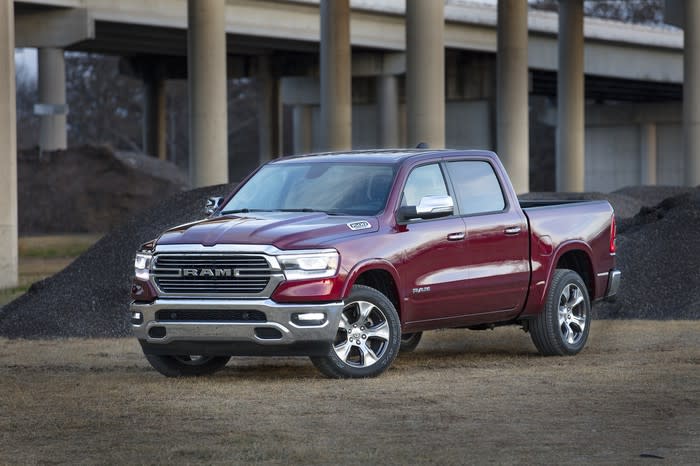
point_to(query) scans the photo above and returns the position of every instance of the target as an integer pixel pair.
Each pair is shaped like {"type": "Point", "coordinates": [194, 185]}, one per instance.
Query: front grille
{"type": "Point", "coordinates": [211, 274]}
{"type": "Point", "coordinates": [212, 315]}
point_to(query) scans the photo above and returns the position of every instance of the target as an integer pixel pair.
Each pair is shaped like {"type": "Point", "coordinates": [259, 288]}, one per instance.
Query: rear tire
{"type": "Point", "coordinates": [561, 329]}
{"type": "Point", "coordinates": [409, 341]}
{"type": "Point", "coordinates": [187, 366]}
{"type": "Point", "coordinates": [367, 340]}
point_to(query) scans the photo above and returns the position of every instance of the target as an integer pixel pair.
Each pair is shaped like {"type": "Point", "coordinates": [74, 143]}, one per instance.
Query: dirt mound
{"type": "Point", "coordinates": [652, 195]}
{"type": "Point", "coordinates": [88, 188]}
{"type": "Point", "coordinates": [90, 297]}
{"type": "Point", "coordinates": [659, 255]}
{"type": "Point", "coordinates": [625, 206]}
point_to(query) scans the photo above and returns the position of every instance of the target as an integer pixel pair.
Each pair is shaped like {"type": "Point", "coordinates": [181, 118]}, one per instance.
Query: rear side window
{"type": "Point", "coordinates": [426, 180]}
{"type": "Point", "coordinates": [476, 187]}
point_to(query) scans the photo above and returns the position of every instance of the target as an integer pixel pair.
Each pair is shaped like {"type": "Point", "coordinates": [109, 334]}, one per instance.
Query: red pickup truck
{"type": "Point", "coordinates": [348, 257]}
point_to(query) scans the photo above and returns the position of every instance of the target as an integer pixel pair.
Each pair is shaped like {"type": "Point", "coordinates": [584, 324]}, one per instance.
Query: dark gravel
{"type": "Point", "coordinates": [658, 253]}
{"type": "Point", "coordinates": [90, 297]}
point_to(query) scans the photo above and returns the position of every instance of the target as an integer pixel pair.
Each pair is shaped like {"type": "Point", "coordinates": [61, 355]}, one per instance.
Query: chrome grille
{"type": "Point", "coordinates": [211, 274]}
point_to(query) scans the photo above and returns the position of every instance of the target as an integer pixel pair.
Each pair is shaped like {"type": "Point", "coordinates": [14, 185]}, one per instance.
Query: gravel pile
{"type": "Point", "coordinates": [90, 297]}
{"type": "Point", "coordinates": [658, 253]}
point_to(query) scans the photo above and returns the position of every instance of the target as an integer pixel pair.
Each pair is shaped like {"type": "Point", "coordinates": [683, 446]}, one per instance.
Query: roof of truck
{"type": "Point", "coordinates": [378, 155]}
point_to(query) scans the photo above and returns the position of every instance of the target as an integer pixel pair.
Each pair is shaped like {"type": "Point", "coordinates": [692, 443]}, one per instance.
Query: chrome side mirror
{"type": "Point", "coordinates": [428, 207]}
{"type": "Point", "coordinates": [212, 204]}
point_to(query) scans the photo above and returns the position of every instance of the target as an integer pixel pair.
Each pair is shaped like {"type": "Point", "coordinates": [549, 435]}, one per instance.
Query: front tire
{"type": "Point", "coordinates": [409, 341]}
{"type": "Point", "coordinates": [367, 340]}
{"type": "Point", "coordinates": [188, 365]}
{"type": "Point", "coordinates": [561, 329]}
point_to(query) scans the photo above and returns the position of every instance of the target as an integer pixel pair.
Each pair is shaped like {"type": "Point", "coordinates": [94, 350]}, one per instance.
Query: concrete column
{"type": "Point", "coordinates": [303, 129]}
{"type": "Point", "coordinates": [425, 73]}
{"type": "Point", "coordinates": [691, 92]}
{"type": "Point", "coordinates": [206, 70]}
{"type": "Point", "coordinates": [52, 106]}
{"type": "Point", "coordinates": [154, 117]}
{"type": "Point", "coordinates": [512, 92]}
{"type": "Point", "coordinates": [388, 110]}
{"type": "Point", "coordinates": [8, 148]}
{"type": "Point", "coordinates": [570, 98]}
{"type": "Point", "coordinates": [269, 111]}
{"type": "Point", "coordinates": [647, 149]}
{"type": "Point", "coordinates": [336, 76]}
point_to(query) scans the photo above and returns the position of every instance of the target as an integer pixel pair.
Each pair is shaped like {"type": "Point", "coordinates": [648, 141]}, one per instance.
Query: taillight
{"type": "Point", "coordinates": [613, 233]}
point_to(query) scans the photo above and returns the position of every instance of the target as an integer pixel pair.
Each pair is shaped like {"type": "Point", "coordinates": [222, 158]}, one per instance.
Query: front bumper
{"type": "Point", "coordinates": [159, 330]}
{"type": "Point", "coordinates": [614, 277]}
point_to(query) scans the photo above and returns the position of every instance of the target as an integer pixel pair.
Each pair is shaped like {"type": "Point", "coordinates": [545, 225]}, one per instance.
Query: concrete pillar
{"type": "Point", "coordinates": [512, 139]}
{"type": "Point", "coordinates": [647, 149]}
{"type": "Point", "coordinates": [570, 98]}
{"type": "Point", "coordinates": [691, 92]}
{"type": "Point", "coordinates": [52, 106]}
{"type": "Point", "coordinates": [388, 110]}
{"type": "Point", "coordinates": [303, 129]}
{"type": "Point", "coordinates": [154, 117]}
{"type": "Point", "coordinates": [425, 73]}
{"type": "Point", "coordinates": [8, 148]}
{"type": "Point", "coordinates": [206, 70]}
{"type": "Point", "coordinates": [269, 111]}
{"type": "Point", "coordinates": [336, 76]}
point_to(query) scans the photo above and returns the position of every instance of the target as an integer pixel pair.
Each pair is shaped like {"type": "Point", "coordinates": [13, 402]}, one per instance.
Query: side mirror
{"type": "Point", "coordinates": [428, 207]}
{"type": "Point", "coordinates": [212, 204]}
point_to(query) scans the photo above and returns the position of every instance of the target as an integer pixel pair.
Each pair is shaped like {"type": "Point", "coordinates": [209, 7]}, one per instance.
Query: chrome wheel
{"type": "Point", "coordinates": [572, 314]}
{"type": "Point", "coordinates": [363, 334]}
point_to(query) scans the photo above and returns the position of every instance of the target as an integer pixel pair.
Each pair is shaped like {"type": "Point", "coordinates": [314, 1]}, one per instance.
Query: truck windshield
{"type": "Point", "coordinates": [331, 187]}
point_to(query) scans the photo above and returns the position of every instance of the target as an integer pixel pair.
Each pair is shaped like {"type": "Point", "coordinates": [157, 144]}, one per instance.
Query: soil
{"type": "Point", "coordinates": [88, 188]}
{"type": "Point", "coordinates": [464, 397]}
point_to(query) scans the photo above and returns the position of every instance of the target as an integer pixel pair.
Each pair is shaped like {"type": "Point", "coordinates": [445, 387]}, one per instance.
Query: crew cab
{"type": "Point", "coordinates": [348, 257]}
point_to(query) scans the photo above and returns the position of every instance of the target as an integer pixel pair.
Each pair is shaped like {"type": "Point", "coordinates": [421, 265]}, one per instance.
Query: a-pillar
{"type": "Point", "coordinates": [206, 71]}
{"type": "Point", "coordinates": [8, 149]}
{"type": "Point", "coordinates": [691, 92]}
{"type": "Point", "coordinates": [52, 106]}
{"type": "Point", "coordinates": [648, 151]}
{"type": "Point", "coordinates": [512, 92]}
{"type": "Point", "coordinates": [425, 73]}
{"type": "Point", "coordinates": [154, 116]}
{"type": "Point", "coordinates": [303, 130]}
{"type": "Point", "coordinates": [570, 98]}
{"type": "Point", "coordinates": [336, 77]}
{"type": "Point", "coordinates": [388, 110]}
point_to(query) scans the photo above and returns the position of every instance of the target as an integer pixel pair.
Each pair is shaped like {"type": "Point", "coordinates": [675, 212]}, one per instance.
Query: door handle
{"type": "Point", "coordinates": [512, 230]}
{"type": "Point", "coordinates": [456, 236]}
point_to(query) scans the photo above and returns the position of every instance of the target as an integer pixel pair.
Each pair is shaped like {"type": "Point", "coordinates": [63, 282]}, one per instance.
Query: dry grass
{"type": "Point", "coordinates": [462, 397]}
{"type": "Point", "coordinates": [43, 256]}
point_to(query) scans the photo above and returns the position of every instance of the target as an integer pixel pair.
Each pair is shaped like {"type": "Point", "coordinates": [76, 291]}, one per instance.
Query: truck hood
{"type": "Point", "coordinates": [285, 230]}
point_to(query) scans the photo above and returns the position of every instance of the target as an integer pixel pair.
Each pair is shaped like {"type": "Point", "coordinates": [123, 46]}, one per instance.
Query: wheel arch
{"type": "Point", "coordinates": [576, 256]}
{"type": "Point", "coordinates": [378, 274]}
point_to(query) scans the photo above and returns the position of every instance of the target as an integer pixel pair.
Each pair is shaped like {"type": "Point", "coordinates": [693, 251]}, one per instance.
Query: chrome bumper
{"type": "Point", "coordinates": [278, 329]}
{"type": "Point", "coordinates": [613, 283]}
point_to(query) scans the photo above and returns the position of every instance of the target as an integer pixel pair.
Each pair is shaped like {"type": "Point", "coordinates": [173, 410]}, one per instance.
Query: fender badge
{"type": "Point", "coordinates": [361, 225]}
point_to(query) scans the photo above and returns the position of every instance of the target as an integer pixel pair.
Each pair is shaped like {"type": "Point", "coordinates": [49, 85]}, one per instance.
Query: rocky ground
{"type": "Point", "coordinates": [658, 252]}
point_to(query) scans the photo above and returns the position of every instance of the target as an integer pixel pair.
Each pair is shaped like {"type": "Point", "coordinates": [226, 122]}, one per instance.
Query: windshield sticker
{"type": "Point", "coordinates": [361, 225]}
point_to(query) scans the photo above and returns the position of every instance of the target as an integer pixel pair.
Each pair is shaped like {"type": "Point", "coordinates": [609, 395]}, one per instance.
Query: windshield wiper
{"type": "Point", "coordinates": [243, 211]}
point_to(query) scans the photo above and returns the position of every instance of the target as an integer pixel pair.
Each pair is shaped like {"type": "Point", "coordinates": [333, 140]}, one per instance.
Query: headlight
{"type": "Point", "coordinates": [142, 265]}
{"type": "Point", "coordinates": [312, 265]}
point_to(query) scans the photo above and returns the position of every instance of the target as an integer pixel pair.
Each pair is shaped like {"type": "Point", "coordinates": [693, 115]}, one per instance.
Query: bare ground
{"type": "Point", "coordinates": [462, 397]}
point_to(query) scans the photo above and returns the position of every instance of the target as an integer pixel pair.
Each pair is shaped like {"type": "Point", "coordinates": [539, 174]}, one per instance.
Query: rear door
{"type": "Point", "coordinates": [497, 240]}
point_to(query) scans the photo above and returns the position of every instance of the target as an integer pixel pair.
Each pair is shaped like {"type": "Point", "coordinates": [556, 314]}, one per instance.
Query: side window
{"type": "Point", "coordinates": [426, 180]}
{"type": "Point", "coordinates": [476, 187]}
